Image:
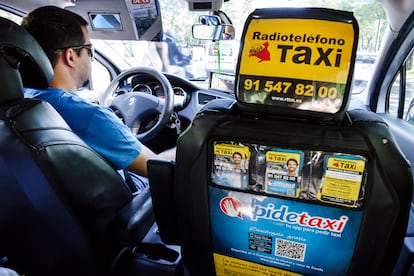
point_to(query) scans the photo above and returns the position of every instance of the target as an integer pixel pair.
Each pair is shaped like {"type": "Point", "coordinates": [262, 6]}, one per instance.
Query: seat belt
{"type": "Point", "coordinates": [130, 183]}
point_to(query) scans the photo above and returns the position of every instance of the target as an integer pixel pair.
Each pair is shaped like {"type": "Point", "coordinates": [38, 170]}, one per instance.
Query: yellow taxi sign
{"type": "Point", "coordinates": [307, 49]}
{"type": "Point", "coordinates": [301, 59]}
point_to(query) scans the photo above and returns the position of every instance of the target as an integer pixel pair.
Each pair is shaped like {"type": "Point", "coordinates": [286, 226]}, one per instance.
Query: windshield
{"type": "Point", "coordinates": [179, 53]}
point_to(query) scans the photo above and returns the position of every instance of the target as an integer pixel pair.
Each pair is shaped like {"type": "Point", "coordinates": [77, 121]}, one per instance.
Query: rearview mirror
{"type": "Point", "coordinates": [213, 32]}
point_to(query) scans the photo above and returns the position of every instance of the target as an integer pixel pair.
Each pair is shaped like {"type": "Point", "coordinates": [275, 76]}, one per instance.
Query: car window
{"type": "Point", "coordinates": [100, 80]}
{"type": "Point", "coordinates": [364, 66]}
{"type": "Point", "coordinates": [197, 59]}
{"type": "Point", "coordinates": [400, 102]}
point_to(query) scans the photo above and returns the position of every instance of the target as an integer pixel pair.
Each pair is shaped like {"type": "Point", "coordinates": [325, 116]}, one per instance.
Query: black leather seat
{"type": "Point", "coordinates": [63, 209]}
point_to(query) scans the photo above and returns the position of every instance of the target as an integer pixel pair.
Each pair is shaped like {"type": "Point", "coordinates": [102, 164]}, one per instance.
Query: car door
{"type": "Point", "coordinates": [392, 95]}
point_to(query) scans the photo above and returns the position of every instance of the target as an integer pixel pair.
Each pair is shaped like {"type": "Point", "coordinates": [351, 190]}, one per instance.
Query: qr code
{"type": "Point", "coordinates": [291, 250]}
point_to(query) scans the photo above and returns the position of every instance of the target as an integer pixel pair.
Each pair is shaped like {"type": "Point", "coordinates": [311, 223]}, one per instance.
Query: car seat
{"type": "Point", "coordinates": [344, 209]}
{"type": "Point", "coordinates": [63, 209]}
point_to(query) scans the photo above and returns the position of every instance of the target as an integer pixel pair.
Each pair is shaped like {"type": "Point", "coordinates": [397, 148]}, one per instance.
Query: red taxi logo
{"type": "Point", "coordinates": [262, 52]}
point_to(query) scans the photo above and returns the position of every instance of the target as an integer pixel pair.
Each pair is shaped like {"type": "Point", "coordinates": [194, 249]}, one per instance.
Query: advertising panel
{"type": "Point", "coordinates": [273, 234]}
{"type": "Point", "coordinates": [304, 218]}
{"type": "Point", "coordinates": [300, 63]}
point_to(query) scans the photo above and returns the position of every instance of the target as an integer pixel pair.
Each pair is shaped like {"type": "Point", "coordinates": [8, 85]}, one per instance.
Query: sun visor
{"type": "Point", "coordinates": [297, 62]}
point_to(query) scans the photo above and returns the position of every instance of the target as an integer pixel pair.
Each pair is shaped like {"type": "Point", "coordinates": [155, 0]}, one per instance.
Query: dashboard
{"type": "Point", "coordinates": [181, 97]}
{"type": "Point", "coordinates": [189, 97]}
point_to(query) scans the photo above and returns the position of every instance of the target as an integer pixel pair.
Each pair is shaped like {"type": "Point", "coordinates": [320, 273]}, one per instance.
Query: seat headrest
{"type": "Point", "coordinates": [22, 52]}
{"type": "Point", "coordinates": [297, 63]}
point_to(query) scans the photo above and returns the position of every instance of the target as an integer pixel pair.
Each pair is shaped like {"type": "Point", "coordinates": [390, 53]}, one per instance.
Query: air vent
{"type": "Point", "coordinates": [205, 98]}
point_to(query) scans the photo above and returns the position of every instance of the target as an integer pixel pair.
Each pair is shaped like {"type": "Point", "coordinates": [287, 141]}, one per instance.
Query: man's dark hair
{"type": "Point", "coordinates": [237, 153]}
{"type": "Point", "coordinates": [54, 28]}
{"type": "Point", "coordinates": [292, 159]}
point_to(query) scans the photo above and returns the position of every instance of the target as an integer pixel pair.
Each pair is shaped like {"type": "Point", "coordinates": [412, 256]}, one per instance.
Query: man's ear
{"type": "Point", "coordinates": [69, 57]}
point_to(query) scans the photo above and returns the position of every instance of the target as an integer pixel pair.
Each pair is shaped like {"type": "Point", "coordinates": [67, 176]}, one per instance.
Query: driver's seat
{"type": "Point", "coordinates": [63, 209]}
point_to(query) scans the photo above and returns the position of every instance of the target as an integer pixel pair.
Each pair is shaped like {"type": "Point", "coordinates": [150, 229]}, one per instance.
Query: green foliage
{"type": "Point", "coordinates": [177, 19]}
{"type": "Point", "coordinates": [370, 16]}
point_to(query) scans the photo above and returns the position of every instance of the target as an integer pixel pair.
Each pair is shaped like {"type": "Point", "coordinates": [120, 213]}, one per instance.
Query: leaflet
{"type": "Point", "coordinates": [231, 165]}
{"type": "Point", "coordinates": [342, 181]}
{"type": "Point", "coordinates": [283, 169]}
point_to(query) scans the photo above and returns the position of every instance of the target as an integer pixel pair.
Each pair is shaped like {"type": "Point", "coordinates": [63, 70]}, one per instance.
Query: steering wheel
{"type": "Point", "coordinates": [136, 108]}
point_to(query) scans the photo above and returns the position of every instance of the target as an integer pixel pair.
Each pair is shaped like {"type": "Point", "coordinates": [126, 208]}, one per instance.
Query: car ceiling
{"type": "Point", "coordinates": [397, 10]}
{"type": "Point", "coordinates": [26, 6]}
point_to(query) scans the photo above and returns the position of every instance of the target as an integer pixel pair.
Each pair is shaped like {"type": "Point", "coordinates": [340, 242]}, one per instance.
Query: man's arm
{"type": "Point", "coordinates": [168, 154]}
{"type": "Point", "coordinates": [139, 165]}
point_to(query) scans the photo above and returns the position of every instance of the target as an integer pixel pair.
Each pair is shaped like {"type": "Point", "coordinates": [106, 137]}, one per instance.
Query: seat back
{"type": "Point", "coordinates": [59, 200]}
{"type": "Point", "coordinates": [38, 231]}
{"type": "Point", "coordinates": [344, 208]}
